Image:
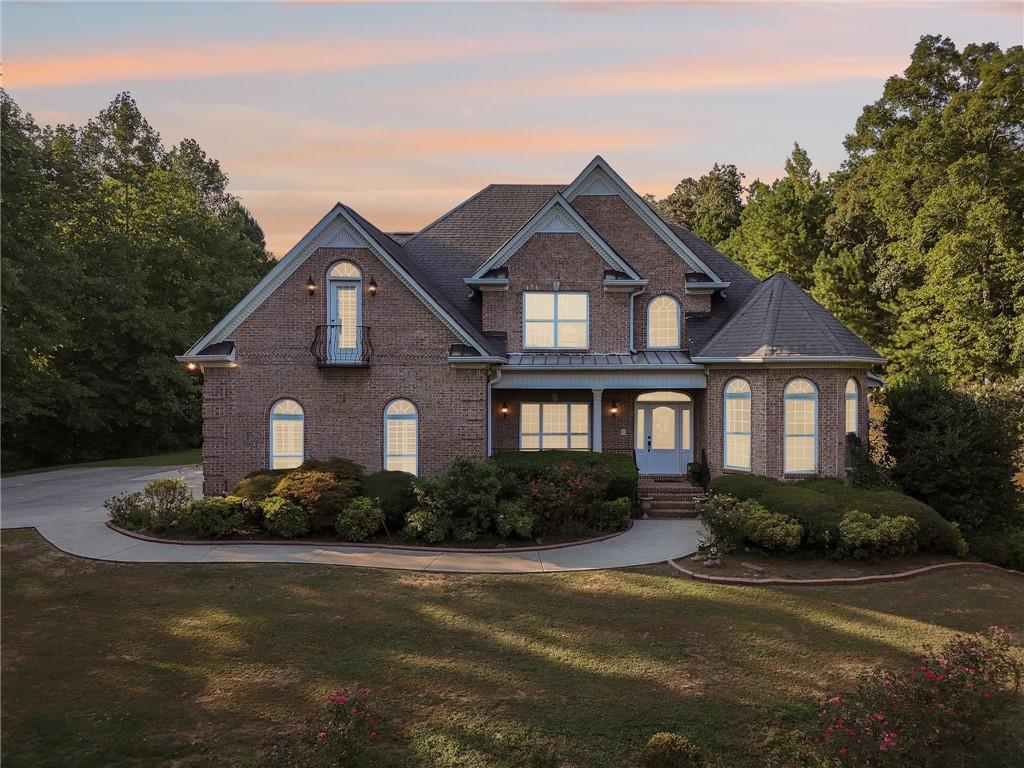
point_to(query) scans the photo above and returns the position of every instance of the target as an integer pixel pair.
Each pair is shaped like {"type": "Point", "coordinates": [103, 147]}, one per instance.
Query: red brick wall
{"type": "Point", "coordinates": [344, 407]}
{"type": "Point", "coordinates": [568, 259]}
{"type": "Point", "coordinates": [767, 387]}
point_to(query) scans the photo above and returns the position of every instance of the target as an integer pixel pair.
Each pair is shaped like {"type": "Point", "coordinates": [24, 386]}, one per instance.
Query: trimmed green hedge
{"type": "Point", "coordinates": [526, 466]}
{"type": "Point", "coordinates": [819, 506]}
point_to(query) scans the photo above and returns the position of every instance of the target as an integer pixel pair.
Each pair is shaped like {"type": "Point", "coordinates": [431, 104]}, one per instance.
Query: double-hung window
{"type": "Point", "coordinates": [800, 448]}
{"type": "Point", "coordinates": [286, 435]}
{"type": "Point", "coordinates": [737, 425]}
{"type": "Point", "coordinates": [548, 426]}
{"type": "Point", "coordinates": [555, 320]}
{"type": "Point", "coordinates": [851, 400]}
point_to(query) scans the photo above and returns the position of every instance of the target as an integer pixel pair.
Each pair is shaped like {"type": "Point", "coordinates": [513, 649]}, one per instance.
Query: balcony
{"type": "Point", "coordinates": [336, 346]}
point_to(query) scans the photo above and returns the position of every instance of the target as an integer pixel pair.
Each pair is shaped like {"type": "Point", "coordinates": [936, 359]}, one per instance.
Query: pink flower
{"type": "Point", "coordinates": [373, 734]}
{"type": "Point", "coordinates": [888, 740]}
{"type": "Point", "coordinates": [321, 736]}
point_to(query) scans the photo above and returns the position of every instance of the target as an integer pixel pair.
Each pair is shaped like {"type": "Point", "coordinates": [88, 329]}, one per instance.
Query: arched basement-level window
{"type": "Point", "coordinates": [401, 439]}
{"type": "Point", "coordinates": [852, 406]}
{"type": "Point", "coordinates": [800, 446]}
{"type": "Point", "coordinates": [663, 323]}
{"type": "Point", "coordinates": [286, 435]}
{"type": "Point", "coordinates": [737, 425]}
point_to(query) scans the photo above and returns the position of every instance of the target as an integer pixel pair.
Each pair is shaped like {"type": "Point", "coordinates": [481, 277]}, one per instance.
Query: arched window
{"type": "Point", "coordinates": [663, 323]}
{"type": "Point", "coordinates": [852, 403]}
{"type": "Point", "coordinates": [800, 448]}
{"type": "Point", "coordinates": [344, 311]}
{"type": "Point", "coordinates": [737, 425]}
{"type": "Point", "coordinates": [286, 430]}
{"type": "Point", "coordinates": [401, 452]}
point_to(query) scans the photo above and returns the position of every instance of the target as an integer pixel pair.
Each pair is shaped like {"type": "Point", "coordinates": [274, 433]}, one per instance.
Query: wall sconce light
{"type": "Point", "coordinates": [372, 287]}
{"type": "Point", "coordinates": [504, 409]}
{"type": "Point", "coordinates": [615, 409]}
{"type": "Point", "coordinates": [191, 367]}
{"type": "Point", "coordinates": [310, 286]}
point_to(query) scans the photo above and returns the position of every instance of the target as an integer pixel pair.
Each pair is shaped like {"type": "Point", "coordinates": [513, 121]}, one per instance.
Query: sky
{"type": "Point", "coordinates": [402, 110]}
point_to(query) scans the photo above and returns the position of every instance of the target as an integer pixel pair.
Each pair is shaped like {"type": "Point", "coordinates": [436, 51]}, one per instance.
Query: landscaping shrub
{"type": "Point", "coordinates": [128, 510]}
{"type": "Point", "coordinates": [284, 518]}
{"type": "Point", "coordinates": [733, 523]}
{"type": "Point", "coordinates": [342, 469]}
{"type": "Point", "coordinates": [864, 472]}
{"type": "Point", "coordinates": [725, 517]}
{"type": "Point", "coordinates": [321, 494]}
{"type": "Point", "coordinates": [1000, 546]}
{"type": "Point", "coordinates": [613, 515]}
{"type": "Point", "coordinates": [168, 499]}
{"type": "Point", "coordinates": [396, 493]}
{"type": "Point", "coordinates": [431, 524]}
{"type": "Point", "coordinates": [743, 486]}
{"type": "Point", "coordinates": [462, 501]}
{"type": "Point", "coordinates": [514, 518]}
{"type": "Point", "coordinates": [862, 536]}
{"type": "Point", "coordinates": [771, 531]}
{"type": "Point", "coordinates": [618, 469]}
{"type": "Point", "coordinates": [955, 453]}
{"type": "Point", "coordinates": [214, 517]}
{"type": "Point", "coordinates": [360, 519]}
{"type": "Point", "coordinates": [567, 498]}
{"type": "Point", "coordinates": [669, 750]}
{"type": "Point", "coordinates": [256, 486]}
{"type": "Point", "coordinates": [928, 715]}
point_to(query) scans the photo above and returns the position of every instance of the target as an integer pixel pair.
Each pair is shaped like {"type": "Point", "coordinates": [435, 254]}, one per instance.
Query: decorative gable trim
{"type": "Point", "coordinates": [557, 215]}
{"type": "Point", "coordinates": [337, 229]}
{"type": "Point", "coordinates": [599, 178]}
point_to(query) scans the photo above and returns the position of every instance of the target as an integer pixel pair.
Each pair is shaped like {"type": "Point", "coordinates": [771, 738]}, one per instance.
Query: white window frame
{"type": "Point", "coordinates": [338, 276]}
{"type": "Point", "coordinates": [277, 417]}
{"type": "Point", "coordinates": [540, 433]}
{"type": "Point", "coordinates": [679, 314]}
{"type": "Point", "coordinates": [554, 320]}
{"type": "Point", "coordinates": [812, 396]}
{"type": "Point", "coordinates": [854, 398]}
{"type": "Point", "coordinates": [736, 397]}
{"type": "Point", "coordinates": [413, 417]}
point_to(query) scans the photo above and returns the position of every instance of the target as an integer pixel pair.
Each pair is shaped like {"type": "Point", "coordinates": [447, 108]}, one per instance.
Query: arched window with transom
{"type": "Point", "coordinates": [401, 437]}
{"type": "Point", "coordinates": [287, 425]}
{"type": "Point", "coordinates": [663, 323]}
{"type": "Point", "coordinates": [800, 447]}
{"type": "Point", "coordinates": [737, 425]}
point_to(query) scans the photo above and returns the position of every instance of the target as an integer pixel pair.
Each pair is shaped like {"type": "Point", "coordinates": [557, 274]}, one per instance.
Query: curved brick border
{"type": "Point", "coordinates": [362, 544]}
{"type": "Point", "coordinates": [839, 580]}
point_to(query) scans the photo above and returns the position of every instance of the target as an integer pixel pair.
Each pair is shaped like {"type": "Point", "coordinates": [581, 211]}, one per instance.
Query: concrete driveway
{"type": "Point", "coordinates": [66, 507]}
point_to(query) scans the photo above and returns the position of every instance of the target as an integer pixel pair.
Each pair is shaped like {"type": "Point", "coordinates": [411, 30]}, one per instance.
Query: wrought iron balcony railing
{"type": "Point", "coordinates": [341, 346]}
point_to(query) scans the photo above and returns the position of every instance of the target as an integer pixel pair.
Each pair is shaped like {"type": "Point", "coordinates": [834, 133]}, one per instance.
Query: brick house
{"type": "Point", "coordinates": [528, 317]}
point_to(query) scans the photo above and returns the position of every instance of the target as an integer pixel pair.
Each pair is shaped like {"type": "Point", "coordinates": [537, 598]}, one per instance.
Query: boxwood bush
{"type": "Point", "coordinates": [214, 517]}
{"type": "Point", "coordinates": [396, 494]}
{"type": "Point", "coordinates": [360, 519]}
{"type": "Point", "coordinates": [820, 504]}
{"type": "Point", "coordinates": [256, 486]}
{"type": "Point", "coordinates": [284, 518]}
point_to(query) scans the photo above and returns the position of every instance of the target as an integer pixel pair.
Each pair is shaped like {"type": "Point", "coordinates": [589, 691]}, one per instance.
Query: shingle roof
{"type": "Point", "coordinates": [779, 321]}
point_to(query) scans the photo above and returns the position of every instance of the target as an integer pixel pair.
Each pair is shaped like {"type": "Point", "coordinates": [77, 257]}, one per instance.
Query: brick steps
{"type": "Point", "coordinates": [674, 497]}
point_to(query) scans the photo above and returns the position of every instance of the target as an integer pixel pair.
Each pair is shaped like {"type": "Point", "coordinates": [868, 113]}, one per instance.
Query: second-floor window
{"type": "Point", "coordinates": [555, 320]}
{"type": "Point", "coordinates": [663, 323]}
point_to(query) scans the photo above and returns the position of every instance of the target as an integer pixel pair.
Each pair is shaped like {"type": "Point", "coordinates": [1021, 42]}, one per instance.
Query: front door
{"type": "Point", "coordinates": [664, 439]}
{"type": "Point", "coordinates": [343, 330]}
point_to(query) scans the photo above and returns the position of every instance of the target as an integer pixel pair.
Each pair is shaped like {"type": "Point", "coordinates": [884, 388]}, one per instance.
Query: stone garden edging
{"type": "Point", "coordinates": [838, 580]}
{"type": "Point", "coordinates": [364, 544]}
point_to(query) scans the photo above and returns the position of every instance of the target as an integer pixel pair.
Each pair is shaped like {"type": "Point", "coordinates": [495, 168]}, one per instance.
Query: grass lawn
{"type": "Point", "coordinates": [143, 665]}
{"type": "Point", "coordinates": [191, 456]}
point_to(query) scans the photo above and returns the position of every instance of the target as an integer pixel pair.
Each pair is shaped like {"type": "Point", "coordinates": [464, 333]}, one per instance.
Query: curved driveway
{"type": "Point", "coordinates": [66, 507]}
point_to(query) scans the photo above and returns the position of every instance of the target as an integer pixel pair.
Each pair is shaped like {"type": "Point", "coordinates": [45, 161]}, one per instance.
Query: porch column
{"type": "Point", "coordinates": [595, 417]}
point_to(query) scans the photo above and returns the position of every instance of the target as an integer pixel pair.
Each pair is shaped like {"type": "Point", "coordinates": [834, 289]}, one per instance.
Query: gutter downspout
{"type": "Point", "coordinates": [491, 380]}
{"type": "Point", "coordinates": [632, 319]}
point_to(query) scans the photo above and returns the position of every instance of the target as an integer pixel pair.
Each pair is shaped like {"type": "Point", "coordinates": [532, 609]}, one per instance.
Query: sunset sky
{"type": "Point", "coordinates": [403, 110]}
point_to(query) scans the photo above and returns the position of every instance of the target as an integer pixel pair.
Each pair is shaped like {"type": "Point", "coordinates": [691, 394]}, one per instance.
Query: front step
{"type": "Point", "coordinates": [674, 497]}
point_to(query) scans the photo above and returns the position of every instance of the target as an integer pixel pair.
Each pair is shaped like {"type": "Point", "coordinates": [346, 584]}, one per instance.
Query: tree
{"type": "Point", "coordinates": [709, 206]}
{"type": "Point", "coordinates": [781, 227]}
{"type": "Point", "coordinates": [120, 254]}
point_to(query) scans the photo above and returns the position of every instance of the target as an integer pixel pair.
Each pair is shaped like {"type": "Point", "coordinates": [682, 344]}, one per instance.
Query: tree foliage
{"type": "Point", "coordinates": [709, 206]}
{"type": "Point", "coordinates": [117, 255]}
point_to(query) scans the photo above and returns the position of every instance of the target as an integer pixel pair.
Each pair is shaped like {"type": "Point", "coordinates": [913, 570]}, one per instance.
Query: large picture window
{"type": "Point", "coordinates": [549, 426]}
{"type": "Point", "coordinates": [286, 435]}
{"type": "Point", "coordinates": [801, 427]}
{"type": "Point", "coordinates": [852, 395]}
{"type": "Point", "coordinates": [663, 323]}
{"type": "Point", "coordinates": [737, 425]}
{"type": "Point", "coordinates": [401, 451]}
{"type": "Point", "coordinates": [555, 320]}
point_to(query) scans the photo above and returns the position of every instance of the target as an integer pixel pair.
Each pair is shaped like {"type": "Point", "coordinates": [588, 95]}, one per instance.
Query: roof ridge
{"type": "Point", "coordinates": [774, 310]}
{"type": "Point", "coordinates": [745, 307]}
{"type": "Point", "coordinates": [825, 327]}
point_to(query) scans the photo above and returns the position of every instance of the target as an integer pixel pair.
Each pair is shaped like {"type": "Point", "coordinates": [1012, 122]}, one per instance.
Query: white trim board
{"type": "Point", "coordinates": [557, 215]}
{"type": "Point", "coordinates": [599, 178]}
{"type": "Point", "coordinates": [337, 229]}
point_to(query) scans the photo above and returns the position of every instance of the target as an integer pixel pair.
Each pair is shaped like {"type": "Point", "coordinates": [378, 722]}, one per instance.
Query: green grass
{"type": "Point", "coordinates": [163, 664]}
{"type": "Point", "coordinates": [191, 456]}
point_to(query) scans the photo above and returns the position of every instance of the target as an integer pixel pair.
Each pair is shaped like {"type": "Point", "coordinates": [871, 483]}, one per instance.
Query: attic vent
{"type": "Point", "coordinates": [555, 222]}
{"type": "Point", "coordinates": [597, 184]}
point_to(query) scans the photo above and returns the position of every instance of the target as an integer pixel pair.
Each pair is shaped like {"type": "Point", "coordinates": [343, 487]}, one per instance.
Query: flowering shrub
{"type": "Point", "coordinates": [127, 510]}
{"type": "Point", "coordinates": [734, 522]}
{"type": "Point", "coordinates": [284, 518]}
{"type": "Point", "coordinates": [360, 519]}
{"type": "Point", "coordinates": [862, 536]}
{"type": "Point", "coordinates": [168, 499]}
{"type": "Point", "coordinates": [567, 497]}
{"type": "Point", "coordinates": [927, 715]}
{"type": "Point", "coordinates": [725, 517]}
{"type": "Point", "coordinates": [669, 750]}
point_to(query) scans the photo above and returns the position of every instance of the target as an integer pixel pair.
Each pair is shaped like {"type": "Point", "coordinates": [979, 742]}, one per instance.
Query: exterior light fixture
{"type": "Point", "coordinates": [615, 409]}
{"type": "Point", "coordinates": [503, 410]}
{"type": "Point", "coordinates": [310, 286]}
{"type": "Point", "coordinates": [191, 366]}
{"type": "Point", "coordinates": [372, 287]}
